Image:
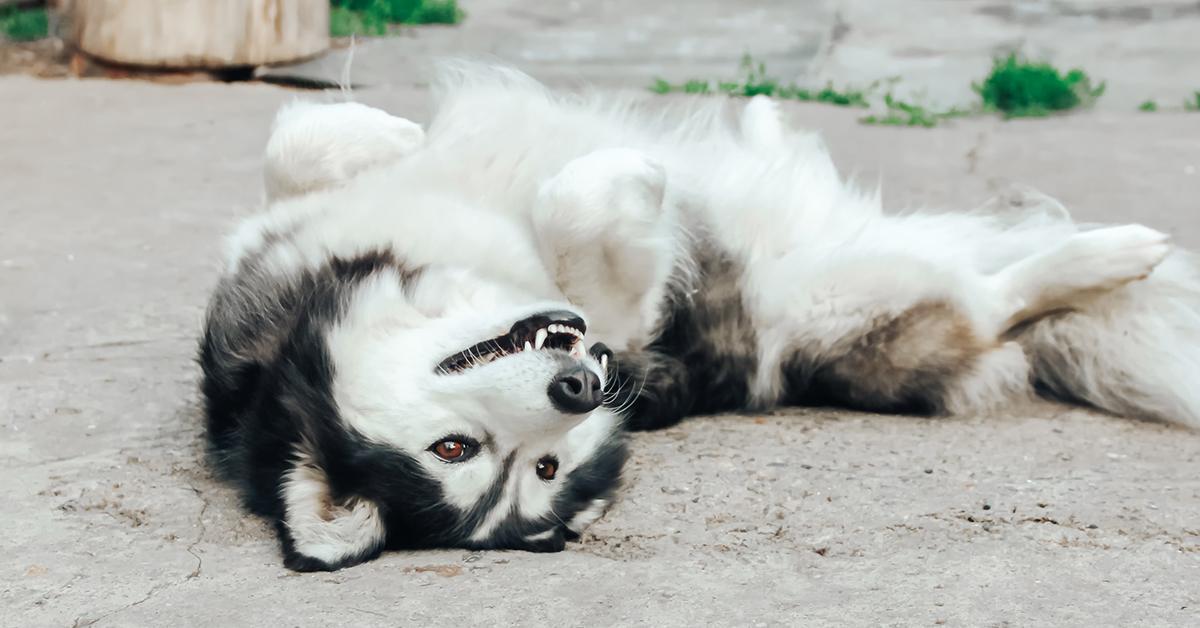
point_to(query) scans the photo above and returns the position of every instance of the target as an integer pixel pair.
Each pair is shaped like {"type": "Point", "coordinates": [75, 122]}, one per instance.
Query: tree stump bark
{"type": "Point", "coordinates": [196, 34]}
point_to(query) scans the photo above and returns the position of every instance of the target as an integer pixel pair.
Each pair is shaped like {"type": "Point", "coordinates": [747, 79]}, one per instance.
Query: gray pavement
{"type": "Point", "coordinates": [1145, 50]}
{"type": "Point", "coordinates": [113, 197]}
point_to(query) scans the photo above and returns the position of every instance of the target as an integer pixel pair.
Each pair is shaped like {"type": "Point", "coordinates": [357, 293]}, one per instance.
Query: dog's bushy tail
{"type": "Point", "coordinates": [1134, 351]}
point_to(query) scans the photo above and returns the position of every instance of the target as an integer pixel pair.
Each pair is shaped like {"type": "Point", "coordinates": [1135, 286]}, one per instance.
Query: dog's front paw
{"type": "Point", "coordinates": [605, 189]}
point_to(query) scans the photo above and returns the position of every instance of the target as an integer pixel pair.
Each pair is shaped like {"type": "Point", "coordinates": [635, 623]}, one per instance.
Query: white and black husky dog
{"type": "Point", "coordinates": [436, 338]}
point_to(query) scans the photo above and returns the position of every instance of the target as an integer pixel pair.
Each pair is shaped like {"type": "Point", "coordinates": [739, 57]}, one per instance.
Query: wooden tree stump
{"type": "Point", "coordinates": [196, 34]}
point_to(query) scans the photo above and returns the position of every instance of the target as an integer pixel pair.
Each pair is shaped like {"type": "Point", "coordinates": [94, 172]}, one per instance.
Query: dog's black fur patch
{"type": "Point", "coordinates": [591, 481]}
{"type": "Point", "coordinates": [267, 391]}
{"type": "Point", "coordinates": [706, 356]}
{"type": "Point", "coordinates": [703, 359]}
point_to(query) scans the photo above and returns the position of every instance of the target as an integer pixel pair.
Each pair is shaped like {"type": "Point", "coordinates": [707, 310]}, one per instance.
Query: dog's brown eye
{"type": "Point", "coordinates": [454, 449]}
{"type": "Point", "coordinates": [547, 467]}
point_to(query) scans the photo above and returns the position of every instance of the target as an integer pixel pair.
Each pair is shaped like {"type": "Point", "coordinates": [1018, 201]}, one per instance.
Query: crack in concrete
{"type": "Point", "coordinates": [837, 32]}
{"type": "Point", "coordinates": [51, 595]}
{"type": "Point", "coordinates": [367, 612]}
{"type": "Point", "coordinates": [1069, 523]}
{"type": "Point", "coordinates": [199, 537]}
{"type": "Point", "coordinates": [826, 43]}
{"type": "Point", "coordinates": [34, 464]}
{"type": "Point", "coordinates": [973, 153]}
{"type": "Point", "coordinates": [81, 622]}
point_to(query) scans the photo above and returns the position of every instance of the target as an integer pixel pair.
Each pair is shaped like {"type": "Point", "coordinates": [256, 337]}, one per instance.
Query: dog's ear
{"type": "Point", "coordinates": [320, 532]}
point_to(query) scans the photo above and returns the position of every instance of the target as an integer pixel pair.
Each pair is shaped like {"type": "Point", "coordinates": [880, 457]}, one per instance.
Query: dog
{"type": "Point", "coordinates": [438, 338]}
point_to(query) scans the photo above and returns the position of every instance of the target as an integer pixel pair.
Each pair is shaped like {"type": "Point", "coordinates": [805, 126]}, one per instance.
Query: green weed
{"type": "Point", "coordinates": [436, 12]}
{"type": "Point", "coordinates": [344, 22]}
{"type": "Point", "coordinates": [24, 24]}
{"type": "Point", "coordinates": [661, 86]}
{"type": "Point", "coordinates": [1193, 103]}
{"type": "Point", "coordinates": [901, 113]}
{"type": "Point", "coordinates": [756, 81]}
{"type": "Point", "coordinates": [1149, 105]}
{"type": "Point", "coordinates": [1014, 87]}
{"type": "Point", "coordinates": [1019, 88]}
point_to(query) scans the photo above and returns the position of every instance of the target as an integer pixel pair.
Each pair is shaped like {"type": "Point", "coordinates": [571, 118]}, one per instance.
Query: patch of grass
{"type": "Point", "coordinates": [756, 81]}
{"type": "Point", "coordinates": [436, 12]}
{"type": "Point", "coordinates": [24, 24]}
{"type": "Point", "coordinates": [1015, 88]}
{"type": "Point", "coordinates": [1149, 105]}
{"type": "Point", "coordinates": [901, 113]}
{"type": "Point", "coordinates": [661, 86]}
{"type": "Point", "coordinates": [1020, 88]}
{"type": "Point", "coordinates": [1193, 103]}
{"type": "Point", "coordinates": [372, 17]}
{"type": "Point", "coordinates": [344, 22]}
{"type": "Point", "coordinates": [827, 95]}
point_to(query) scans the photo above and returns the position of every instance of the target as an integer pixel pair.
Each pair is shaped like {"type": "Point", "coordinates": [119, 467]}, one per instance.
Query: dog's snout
{"type": "Point", "coordinates": [575, 390]}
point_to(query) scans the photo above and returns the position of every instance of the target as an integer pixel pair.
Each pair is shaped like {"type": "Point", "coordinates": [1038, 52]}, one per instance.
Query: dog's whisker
{"type": "Point", "coordinates": [628, 403]}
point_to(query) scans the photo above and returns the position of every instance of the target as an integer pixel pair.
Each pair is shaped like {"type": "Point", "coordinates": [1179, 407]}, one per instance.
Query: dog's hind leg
{"type": "Point", "coordinates": [930, 339]}
{"type": "Point", "coordinates": [908, 340]}
{"type": "Point", "coordinates": [1132, 349]}
{"type": "Point", "coordinates": [317, 146]}
{"type": "Point", "coordinates": [1086, 265]}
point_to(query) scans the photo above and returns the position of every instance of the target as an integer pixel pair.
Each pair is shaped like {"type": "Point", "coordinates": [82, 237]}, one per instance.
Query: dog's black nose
{"type": "Point", "coordinates": [575, 390]}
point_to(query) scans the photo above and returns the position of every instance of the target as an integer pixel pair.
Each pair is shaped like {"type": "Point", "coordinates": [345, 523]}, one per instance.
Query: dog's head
{"type": "Point", "coordinates": [433, 408]}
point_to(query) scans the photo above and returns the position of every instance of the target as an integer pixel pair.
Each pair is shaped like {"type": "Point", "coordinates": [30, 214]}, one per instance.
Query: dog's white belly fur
{"type": "Point", "coordinates": [606, 207]}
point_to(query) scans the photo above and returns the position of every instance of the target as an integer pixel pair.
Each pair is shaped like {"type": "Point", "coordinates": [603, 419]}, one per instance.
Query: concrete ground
{"type": "Point", "coordinates": [113, 197]}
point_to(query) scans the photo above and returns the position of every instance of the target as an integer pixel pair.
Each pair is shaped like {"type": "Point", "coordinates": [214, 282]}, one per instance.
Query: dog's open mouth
{"type": "Point", "coordinates": [562, 331]}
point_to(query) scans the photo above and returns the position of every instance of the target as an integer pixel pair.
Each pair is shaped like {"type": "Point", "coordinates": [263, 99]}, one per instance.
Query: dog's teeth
{"type": "Point", "coordinates": [554, 329]}
{"type": "Point", "coordinates": [539, 339]}
{"type": "Point", "coordinates": [528, 347]}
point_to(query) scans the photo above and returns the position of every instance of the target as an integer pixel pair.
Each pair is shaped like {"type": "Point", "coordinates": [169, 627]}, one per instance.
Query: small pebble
{"type": "Point", "coordinates": [987, 506]}
{"type": "Point", "coordinates": [928, 470]}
